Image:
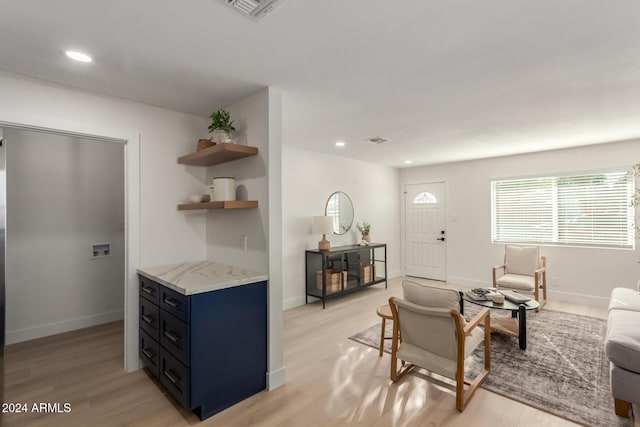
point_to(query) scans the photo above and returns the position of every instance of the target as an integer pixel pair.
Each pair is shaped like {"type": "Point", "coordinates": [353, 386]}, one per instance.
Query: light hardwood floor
{"type": "Point", "coordinates": [331, 380]}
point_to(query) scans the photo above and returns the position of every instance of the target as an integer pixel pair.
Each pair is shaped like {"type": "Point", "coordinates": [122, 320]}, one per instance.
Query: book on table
{"type": "Point", "coordinates": [481, 294]}
{"type": "Point", "coordinates": [514, 296]}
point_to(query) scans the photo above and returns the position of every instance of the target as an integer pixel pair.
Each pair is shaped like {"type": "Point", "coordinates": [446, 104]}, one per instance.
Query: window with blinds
{"type": "Point", "coordinates": [578, 210]}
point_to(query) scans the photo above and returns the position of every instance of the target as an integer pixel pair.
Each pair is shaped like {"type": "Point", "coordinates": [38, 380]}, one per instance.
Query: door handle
{"type": "Point", "coordinates": [441, 239]}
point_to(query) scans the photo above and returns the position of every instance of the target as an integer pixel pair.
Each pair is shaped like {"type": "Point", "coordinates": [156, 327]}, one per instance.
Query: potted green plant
{"type": "Point", "coordinates": [364, 230]}
{"type": "Point", "coordinates": [221, 125]}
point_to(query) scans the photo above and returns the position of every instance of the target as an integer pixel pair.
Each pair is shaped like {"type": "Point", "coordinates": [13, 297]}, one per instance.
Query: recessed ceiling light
{"type": "Point", "coordinates": [78, 56]}
{"type": "Point", "coordinates": [340, 144]}
{"type": "Point", "coordinates": [408, 161]}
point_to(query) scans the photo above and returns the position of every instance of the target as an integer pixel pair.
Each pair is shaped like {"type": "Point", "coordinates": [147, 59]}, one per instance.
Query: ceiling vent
{"type": "Point", "coordinates": [377, 140]}
{"type": "Point", "coordinates": [256, 9]}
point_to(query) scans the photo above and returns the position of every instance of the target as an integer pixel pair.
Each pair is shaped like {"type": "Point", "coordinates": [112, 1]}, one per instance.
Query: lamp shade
{"type": "Point", "coordinates": [322, 225]}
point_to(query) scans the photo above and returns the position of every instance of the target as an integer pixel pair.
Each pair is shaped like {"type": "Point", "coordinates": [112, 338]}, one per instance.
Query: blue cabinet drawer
{"type": "Point", "coordinates": [174, 336]}
{"type": "Point", "coordinates": [150, 318]}
{"type": "Point", "coordinates": [175, 377]}
{"type": "Point", "coordinates": [149, 290]}
{"type": "Point", "coordinates": [175, 303]}
{"type": "Point", "coordinates": [150, 352]}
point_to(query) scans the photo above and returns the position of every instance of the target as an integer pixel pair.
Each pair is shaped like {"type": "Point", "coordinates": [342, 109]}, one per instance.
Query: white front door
{"type": "Point", "coordinates": [425, 238]}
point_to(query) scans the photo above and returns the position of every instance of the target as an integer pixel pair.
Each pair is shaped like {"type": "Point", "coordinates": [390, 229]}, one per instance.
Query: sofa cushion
{"type": "Point", "coordinates": [622, 344]}
{"type": "Point", "coordinates": [430, 296]}
{"type": "Point", "coordinates": [625, 299]}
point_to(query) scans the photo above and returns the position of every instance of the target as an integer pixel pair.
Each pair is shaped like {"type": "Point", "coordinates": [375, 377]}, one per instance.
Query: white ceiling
{"type": "Point", "coordinates": [445, 80]}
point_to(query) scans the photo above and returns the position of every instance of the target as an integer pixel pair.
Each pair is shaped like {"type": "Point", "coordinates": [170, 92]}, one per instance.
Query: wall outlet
{"type": "Point", "coordinates": [554, 281]}
{"type": "Point", "coordinates": [243, 242]}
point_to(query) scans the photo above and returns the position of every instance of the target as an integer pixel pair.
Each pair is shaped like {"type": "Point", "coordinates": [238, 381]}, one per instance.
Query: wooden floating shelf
{"type": "Point", "coordinates": [219, 153]}
{"type": "Point", "coordinates": [234, 204]}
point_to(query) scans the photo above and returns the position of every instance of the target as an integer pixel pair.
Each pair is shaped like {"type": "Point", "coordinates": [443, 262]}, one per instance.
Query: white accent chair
{"type": "Point", "coordinates": [524, 270]}
{"type": "Point", "coordinates": [429, 332]}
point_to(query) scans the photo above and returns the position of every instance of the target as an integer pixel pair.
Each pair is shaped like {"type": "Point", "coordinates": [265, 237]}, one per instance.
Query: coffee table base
{"type": "Point", "coordinates": [516, 326]}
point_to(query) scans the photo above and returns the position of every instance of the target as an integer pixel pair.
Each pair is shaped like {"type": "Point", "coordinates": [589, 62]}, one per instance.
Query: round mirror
{"type": "Point", "coordinates": [339, 206]}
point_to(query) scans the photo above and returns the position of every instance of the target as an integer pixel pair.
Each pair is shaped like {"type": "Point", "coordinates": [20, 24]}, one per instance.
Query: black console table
{"type": "Point", "coordinates": [344, 269]}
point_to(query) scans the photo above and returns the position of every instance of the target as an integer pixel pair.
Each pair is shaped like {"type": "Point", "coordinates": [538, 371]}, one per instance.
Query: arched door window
{"type": "Point", "coordinates": [424, 198]}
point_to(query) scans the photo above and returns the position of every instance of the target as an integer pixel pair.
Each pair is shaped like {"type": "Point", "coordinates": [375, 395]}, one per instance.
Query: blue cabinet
{"type": "Point", "coordinates": [209, 349]}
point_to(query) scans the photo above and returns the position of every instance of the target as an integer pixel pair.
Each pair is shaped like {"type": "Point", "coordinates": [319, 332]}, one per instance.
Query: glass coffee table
{"type": "Point", "coordinates": [516, 325]}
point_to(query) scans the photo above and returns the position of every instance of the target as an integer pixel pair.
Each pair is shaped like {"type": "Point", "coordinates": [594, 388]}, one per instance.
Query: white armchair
{"type": "Point", "coordinates": [524, 270]}
{"type": "Point", "coordinates": [429, 332]}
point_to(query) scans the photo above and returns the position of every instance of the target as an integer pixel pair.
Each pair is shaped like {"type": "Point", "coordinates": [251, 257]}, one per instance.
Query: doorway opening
{"type": "Point", "coordinates": [131, 142]}
{"type": "Point", "coordinates": [64, 193]}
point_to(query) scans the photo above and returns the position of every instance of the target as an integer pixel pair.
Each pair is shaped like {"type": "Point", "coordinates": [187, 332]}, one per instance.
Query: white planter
{"type": "Point", "coordinates": [220, 136]}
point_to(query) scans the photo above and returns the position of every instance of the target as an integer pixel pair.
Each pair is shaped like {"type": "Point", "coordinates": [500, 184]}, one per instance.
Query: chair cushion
{"type": "Point", "coordinates": [521, 259]}
{"type": "Point", "coordinates": [624, 299]}
{"type": "Point", "coordinates": [516, 281]}
{"type": "Point", "coordinates": [622, 344]}
{"type": "Point", "coordinates": [431, 296]}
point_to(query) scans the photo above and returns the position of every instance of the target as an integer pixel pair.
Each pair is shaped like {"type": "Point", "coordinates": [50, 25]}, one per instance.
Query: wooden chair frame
{"type": "Point", "coordinates": [462, 331]}
{"type": "Point", "coordinates": [539, 277]}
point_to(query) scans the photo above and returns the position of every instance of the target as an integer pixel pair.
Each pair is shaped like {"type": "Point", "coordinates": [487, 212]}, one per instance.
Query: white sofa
{"type": "Point", "coordinates": [622, 346]}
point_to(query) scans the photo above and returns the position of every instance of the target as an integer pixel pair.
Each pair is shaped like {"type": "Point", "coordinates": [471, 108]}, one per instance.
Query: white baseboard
{"type": "Point", "coordinates": [394, 274]}
{"type": "Point", "coordinates": [293, 302]}
{"type": "Point", "coordinates": [40, 331]}
{"type": "Point", "coordinates": [578, 298]}
{"type": "Point", "coordinates": [276, 378]}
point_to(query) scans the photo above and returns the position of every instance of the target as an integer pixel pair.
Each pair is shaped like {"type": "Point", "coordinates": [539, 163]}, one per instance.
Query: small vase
{"type": "Point", "coordinates": [220, 136]}
{"type": "Point", "coordinates": [366, 238]}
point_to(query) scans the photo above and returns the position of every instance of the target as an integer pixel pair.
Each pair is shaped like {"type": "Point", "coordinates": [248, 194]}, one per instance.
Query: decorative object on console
{"type": "Point", "coordinates": [322, 225]}
{"type": "Point", "coordinates": [221, 125]}
{"type": "Point", "coordinates": [364, 230]}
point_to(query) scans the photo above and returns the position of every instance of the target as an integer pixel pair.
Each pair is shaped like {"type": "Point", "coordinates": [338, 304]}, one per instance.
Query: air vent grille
{"type": "Point", "coordinates": [377, 140]}
{"type": "Point", "coordinates": [255, 9]}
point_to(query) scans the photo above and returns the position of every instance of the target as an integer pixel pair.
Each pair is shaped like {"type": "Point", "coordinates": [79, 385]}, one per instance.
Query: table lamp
{"type": "Point", "coordinates": [322, 225]}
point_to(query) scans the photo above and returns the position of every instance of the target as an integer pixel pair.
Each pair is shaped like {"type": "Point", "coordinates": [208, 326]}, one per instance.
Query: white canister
{"type": "Point", "coordinates": [223, 189]}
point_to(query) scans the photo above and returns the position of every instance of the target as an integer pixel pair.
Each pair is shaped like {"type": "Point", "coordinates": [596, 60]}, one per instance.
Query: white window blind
{"type": "Point", "coordinates": [579, 210]}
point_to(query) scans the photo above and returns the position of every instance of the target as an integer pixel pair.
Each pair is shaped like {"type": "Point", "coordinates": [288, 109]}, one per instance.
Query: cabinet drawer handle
{"type": "Point", "coordinates": [171, 302]}
{"type": "Point", "coordinates": [147, 319]}
{"type": "Point", "coordinates": [147, 352]}
{"type": "Point", "coordinates": [171, 377]}
{"type": "Point", "coordinates": [173, 338]}
{"type": "Point", "coordinates": [149, 291]}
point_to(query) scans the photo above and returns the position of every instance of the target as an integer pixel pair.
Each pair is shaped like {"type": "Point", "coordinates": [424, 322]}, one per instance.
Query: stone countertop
{"type": "Point", "coordinates": [190, 278]}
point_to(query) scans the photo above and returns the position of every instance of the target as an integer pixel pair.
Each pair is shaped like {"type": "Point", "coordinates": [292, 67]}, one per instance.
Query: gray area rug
{"type": "Point", "coordinates": [563, 371]}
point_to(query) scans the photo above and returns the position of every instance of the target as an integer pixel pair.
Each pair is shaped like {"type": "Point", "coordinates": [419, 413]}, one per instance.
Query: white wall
{"type": "Point", "coordinates": [257, 119]}
{"type": "Point", "coordinates": [225, 227]}
{"type": "Point", "coordinates": [63, 194]}
{"type": "Point", "coordinates": [583, 275]}
{"type": "Point", "coordinates": [309, 178]}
